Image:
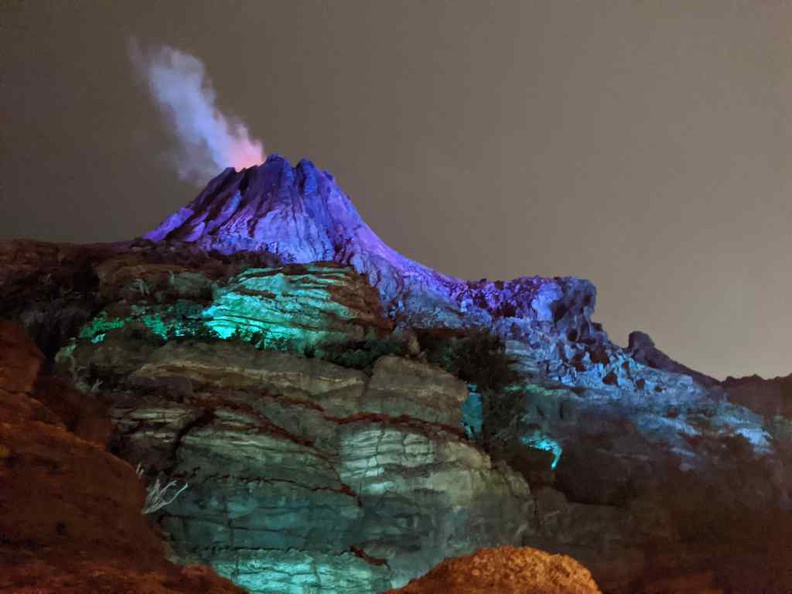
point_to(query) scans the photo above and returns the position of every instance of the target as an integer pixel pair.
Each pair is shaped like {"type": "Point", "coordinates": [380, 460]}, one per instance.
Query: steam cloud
{"type": "Point", "coordinates": [209, 140]}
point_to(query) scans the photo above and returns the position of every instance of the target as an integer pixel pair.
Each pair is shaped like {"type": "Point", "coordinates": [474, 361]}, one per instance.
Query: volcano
{"type": "Point", "coordinates": [345, 415]}
{"type": "Point", "coordinates": [301, 215]}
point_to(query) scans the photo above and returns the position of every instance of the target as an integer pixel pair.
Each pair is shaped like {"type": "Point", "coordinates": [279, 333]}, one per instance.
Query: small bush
{"type": "Point", "coordinates": [160, 493]}
{"type": "Point", "coordinates": [478, 357]}
{"type": "Point", "coordinates": [359, 354]}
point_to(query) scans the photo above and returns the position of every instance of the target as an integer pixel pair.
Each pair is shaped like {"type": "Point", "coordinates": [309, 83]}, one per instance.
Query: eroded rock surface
{"type": "Point", "coordinates": [304, 474]}
{"type": "Point", "coordinates": [265, 345]}
{"type": "Point", "coordinates": [70, 512]}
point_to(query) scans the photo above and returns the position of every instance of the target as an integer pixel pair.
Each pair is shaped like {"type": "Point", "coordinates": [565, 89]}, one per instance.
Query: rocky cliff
{"type": "Point", "coordinates": [347, 418]}
{"type": "Point", "coordinates": [70, 512]}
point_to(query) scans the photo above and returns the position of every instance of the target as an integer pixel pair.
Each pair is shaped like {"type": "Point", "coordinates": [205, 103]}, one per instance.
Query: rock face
{"type": "Point", "coordinates": [265, 346]}
{"type": "Point", "coordinates": [306, 476]}
{"type": "Point", "coordinates": [506, 570]}
{"type": "Point", "coordinates": [302, 216]}
{"type": "Point", "coordinates": [70, 512]}
{"type": "Point", "coordinates": [300, 306]}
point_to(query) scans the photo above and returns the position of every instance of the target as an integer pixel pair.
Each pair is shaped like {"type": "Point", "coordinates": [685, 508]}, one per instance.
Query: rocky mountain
{"type": "Point", "coordinates": [347, 418]}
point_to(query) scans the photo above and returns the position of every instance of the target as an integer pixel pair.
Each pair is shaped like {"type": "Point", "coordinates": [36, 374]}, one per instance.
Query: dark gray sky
{"type": "Point", "coordinates": [644, 145]}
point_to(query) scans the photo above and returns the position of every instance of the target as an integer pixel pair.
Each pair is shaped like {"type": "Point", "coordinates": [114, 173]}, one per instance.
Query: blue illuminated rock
{"type": "Point", "coordinates": [300, 215]}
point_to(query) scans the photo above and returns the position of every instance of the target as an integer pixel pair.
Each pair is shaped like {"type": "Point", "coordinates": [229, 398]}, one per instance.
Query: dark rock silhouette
{"type": "Point", "coordinates": [643, 349]}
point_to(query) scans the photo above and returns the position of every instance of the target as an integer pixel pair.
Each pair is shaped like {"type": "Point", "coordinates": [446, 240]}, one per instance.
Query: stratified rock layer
{"type": "Point", "coordinates": [340, 462]}
{"type": "Point", "coordinates": [307, 476]}
{"type": "Point", "coordinates": [298, 306]}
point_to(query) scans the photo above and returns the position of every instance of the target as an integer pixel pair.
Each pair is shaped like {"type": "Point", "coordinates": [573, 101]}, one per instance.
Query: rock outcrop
{"type": "Point", "coordinates": [642, 348]}
{"type": "Point", "coordinates": [298, 306]}
{"type": "Point", "coordinates": [302, 216]}
{"type": "Point", "coordinates": [309, 476]}
{"type": "Point", "coordinates": [70, 512]}
{"type": "Point", "coordinates": [265, 346]}
{"type": "Point", "coordinates": [506, 570]}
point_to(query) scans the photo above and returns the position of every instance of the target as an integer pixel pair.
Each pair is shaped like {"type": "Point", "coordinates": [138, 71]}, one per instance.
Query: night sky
{"type": "Point", "coordinates": [644, 145]}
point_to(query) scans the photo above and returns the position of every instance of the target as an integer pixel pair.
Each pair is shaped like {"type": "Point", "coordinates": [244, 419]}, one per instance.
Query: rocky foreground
{"type": "Point", "coordinates": [70, 512]}
{"type": "Point", "coordinates": [506, 570]}
{"type": "Point", "coordinates": [346, 419]}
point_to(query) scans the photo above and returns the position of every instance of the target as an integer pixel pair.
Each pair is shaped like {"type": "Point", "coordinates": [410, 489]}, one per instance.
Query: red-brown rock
{"type": "Point", "coordinates": [505, 570]}
{"type": "Point", "coordinates": [70, 512]}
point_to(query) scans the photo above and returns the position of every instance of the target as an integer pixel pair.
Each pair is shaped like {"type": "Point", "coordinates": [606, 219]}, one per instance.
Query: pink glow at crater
{"type": "Point", "coordinates": [208, 140]}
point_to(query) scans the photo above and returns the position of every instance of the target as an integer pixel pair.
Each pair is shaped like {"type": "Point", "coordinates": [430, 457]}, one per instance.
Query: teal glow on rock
{"type": "Point", "coordinates": [542, 442]}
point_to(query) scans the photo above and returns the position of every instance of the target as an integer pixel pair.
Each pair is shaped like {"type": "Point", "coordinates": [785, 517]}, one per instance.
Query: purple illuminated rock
{"type": "Point", "coordinates": [302, 216]}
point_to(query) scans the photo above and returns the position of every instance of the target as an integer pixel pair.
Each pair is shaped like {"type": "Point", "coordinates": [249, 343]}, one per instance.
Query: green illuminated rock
{"type": "Point", "coordinates": [309, 477]}
{"type": "Point", "coordinates": [297, 307]}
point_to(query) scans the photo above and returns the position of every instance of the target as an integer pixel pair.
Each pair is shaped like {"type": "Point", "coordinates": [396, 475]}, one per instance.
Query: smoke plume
{"type": "Point", "coordinates": [208, 140]}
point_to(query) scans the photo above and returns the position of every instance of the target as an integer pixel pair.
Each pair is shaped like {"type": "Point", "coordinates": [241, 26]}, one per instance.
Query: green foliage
{"type": "Point", "coordinates": [358, 354]}
{"type": "Point", "coordinates": [478, 357]}
{"type": "Point", "coordinates": [246, 335]}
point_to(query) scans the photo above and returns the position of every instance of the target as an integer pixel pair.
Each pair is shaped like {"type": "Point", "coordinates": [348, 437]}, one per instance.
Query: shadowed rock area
{"type": "Point", "coordinates": [347, 418]}
{"type": "Point", "coordinates": [70, 512]}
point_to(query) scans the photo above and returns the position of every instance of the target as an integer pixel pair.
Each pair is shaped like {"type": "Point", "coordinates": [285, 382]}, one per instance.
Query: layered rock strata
{"type": "Point", "coordinates": [307, 476]}
{"type": "Point", "coordinates": [265, 345]}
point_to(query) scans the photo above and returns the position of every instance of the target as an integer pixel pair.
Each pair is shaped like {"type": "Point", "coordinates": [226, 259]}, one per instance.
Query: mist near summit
{"type": "Point", "coordinates": [207, 140]}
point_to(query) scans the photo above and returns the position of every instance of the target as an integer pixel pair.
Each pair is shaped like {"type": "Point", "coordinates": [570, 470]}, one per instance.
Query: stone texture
{"type": "Point", "coordinates": [298, 306]}
{"type": "Point", "coordinates": [399, 386]}
{"type": "Point", "coordinates": [20, 359]}
{"type": "Point", "coordinates": [336, 389]}
{"type": "Point", "coordinates": [298, 465]}
{"type": "Point", "coordinates": [506, 570]}
{"type": "Point", "coordinates": [70, 512]}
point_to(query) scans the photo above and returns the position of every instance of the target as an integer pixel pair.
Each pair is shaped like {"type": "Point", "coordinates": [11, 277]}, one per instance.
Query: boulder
{"type": "Point", "coordinates": [506, 570]}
